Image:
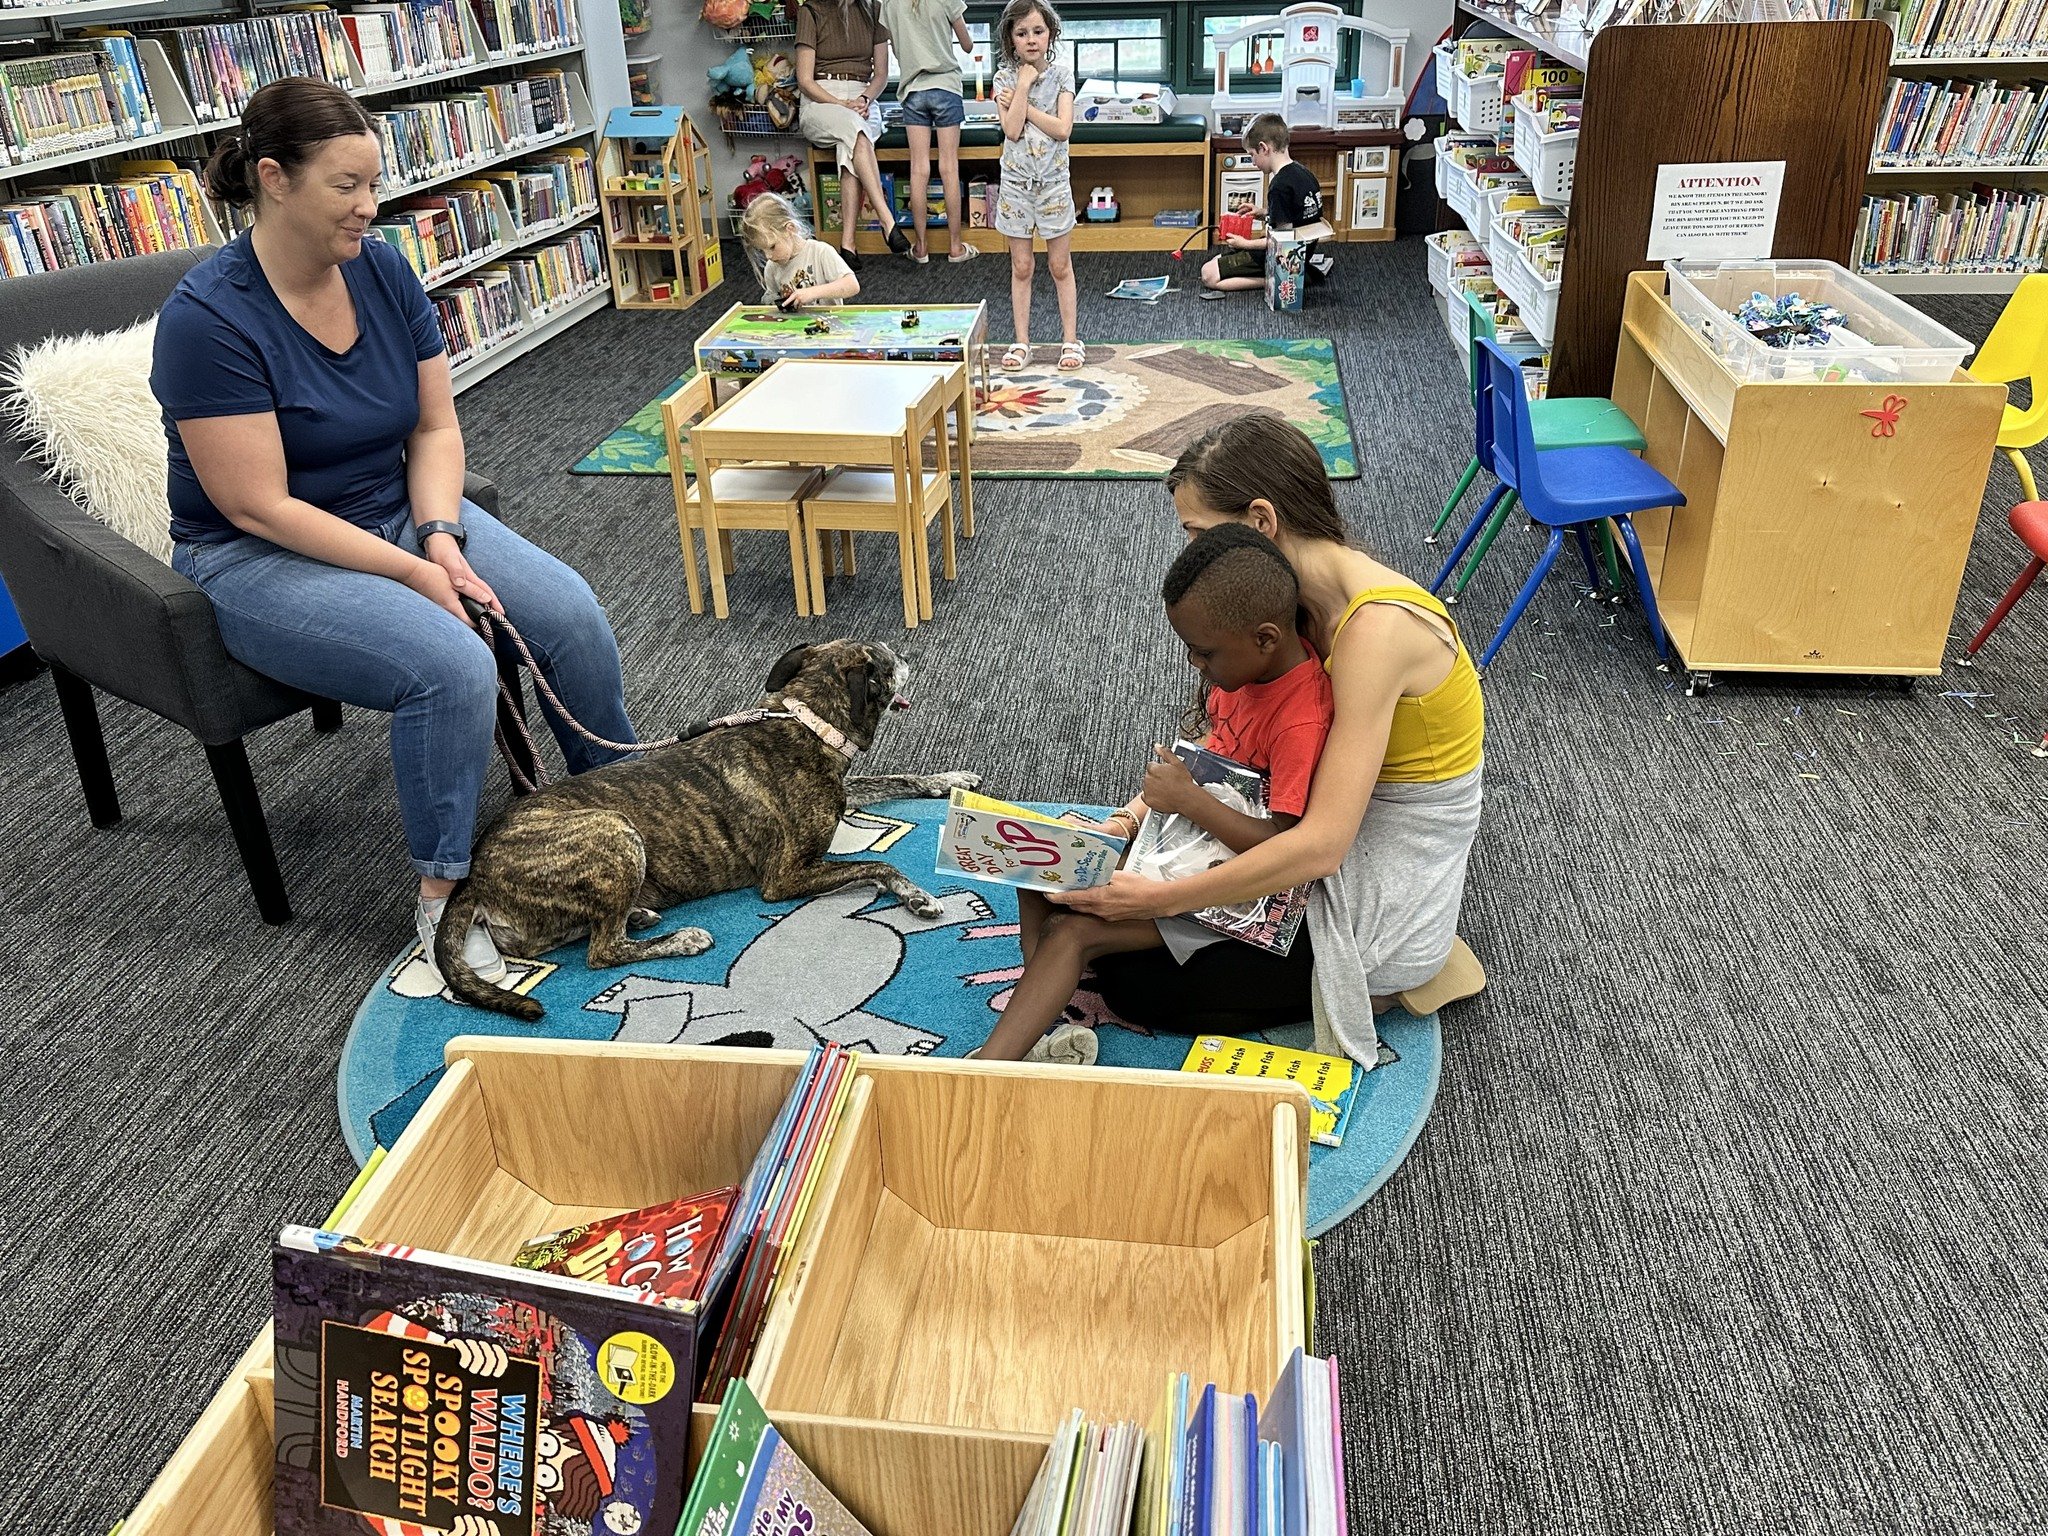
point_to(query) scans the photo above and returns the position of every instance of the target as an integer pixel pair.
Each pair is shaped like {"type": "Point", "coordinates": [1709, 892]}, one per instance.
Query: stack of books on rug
{"type": "Point", "coordinates": [434, 1392]}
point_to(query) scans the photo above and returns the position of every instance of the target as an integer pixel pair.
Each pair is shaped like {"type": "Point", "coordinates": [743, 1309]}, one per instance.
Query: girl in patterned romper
{"type": "Point", "coordinates": [1035, 96]}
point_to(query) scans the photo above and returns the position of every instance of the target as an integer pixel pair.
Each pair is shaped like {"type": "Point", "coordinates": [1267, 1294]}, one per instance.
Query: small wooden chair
{"type": "Point", "coordinates": [747, 496]}
{"type": "Point", "coordinates": [903, 499]}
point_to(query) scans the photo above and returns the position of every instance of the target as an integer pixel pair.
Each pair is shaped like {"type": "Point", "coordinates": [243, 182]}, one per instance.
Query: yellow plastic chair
{"type": "Point", "coordinates": [2017, 348]}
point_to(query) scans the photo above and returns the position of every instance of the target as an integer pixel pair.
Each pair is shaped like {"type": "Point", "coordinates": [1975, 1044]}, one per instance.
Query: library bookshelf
{"type": "Point", "coordinates": [1626, 133]}
{"type": "Point", "coordinates": [1959, 176]}
{"type": "Point", "coordinates": [465, 63]}
{"type": "Point", "coordinates": [988, 1246]}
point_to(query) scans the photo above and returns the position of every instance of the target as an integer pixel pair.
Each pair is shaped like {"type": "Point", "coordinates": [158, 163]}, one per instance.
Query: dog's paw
{"type": "Point", "coordinates": [642, 917]}
{"type": "Point", "coordinates": [923, 903]}
{"type": "Point", "coordinates": [946, 783]}
{"type": "Point", "coordinates": [691, 941]}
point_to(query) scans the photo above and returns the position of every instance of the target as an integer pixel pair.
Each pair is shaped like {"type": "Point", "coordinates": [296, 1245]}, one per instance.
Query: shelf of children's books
{"type": "Point", "coordinates": [577, 130]}
{"type": "Point", "coordinates": [482, 364]}
{"type": "Point", "coordinates": [1568, 45]}
{"type": "Point", "coordinates": [1913, 61]}
{"type": "Point", "coordinates": [1946, 282]}
{"type": "Point", "coordinates": [522, 237]}
{"type": "Point", "coordinates": [1959, 170]}
{"type": "Point", "coordinates": [475, 66]}
{"type": "Point", "coordinates": [128, 147]}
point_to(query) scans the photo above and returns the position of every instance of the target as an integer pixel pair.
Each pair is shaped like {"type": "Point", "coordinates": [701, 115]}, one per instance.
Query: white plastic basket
{"type": "Point", "coordinates": [1548, 159]}
{"type": "Point", "coordinates": [1474, 100]}
{"type": "Point", "coordinates": [1893, 341]}
{"type": "Point", "coordinates": [1488, 205]}
{"type": "Point", "coordinates": [1463, 195]}
{"type": "Point", "coordinates": [1443, 250]}
{"type": "Point", "coordinates": [1534, 296]}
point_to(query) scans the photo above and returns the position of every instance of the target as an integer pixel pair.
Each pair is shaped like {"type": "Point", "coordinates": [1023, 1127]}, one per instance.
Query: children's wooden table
{"type": "Point", "coordinates": [831, 414]}
{"type": "Point", "coordinates": [748, 339]}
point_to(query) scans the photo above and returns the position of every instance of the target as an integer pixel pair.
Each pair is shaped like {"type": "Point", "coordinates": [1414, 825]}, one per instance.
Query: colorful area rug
{"type": "Point", "coordinates": [851, 966]}
{"type": "Point", "coordinates": [1125, 416]}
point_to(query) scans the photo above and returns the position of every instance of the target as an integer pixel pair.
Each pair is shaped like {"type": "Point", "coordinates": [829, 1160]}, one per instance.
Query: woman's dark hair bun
{"type": "Point", "coordinates": [287, 121]}
{"type": "Point", "coordinates": [227, 173]}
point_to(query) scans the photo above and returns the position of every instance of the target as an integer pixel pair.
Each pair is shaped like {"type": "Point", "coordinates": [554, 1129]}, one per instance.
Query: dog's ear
{"type": "Point", "coordinates": [860, 688]}
{"type": "Point", "coordinates": [791, 663]}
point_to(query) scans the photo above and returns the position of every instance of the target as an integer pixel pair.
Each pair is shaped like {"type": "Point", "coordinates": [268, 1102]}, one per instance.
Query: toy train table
{"type": "Point", "coordinates": [748, 338]}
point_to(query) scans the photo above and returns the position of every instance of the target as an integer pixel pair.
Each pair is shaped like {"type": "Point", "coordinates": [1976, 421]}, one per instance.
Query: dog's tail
{"type": "Point", "coordinates": [462, 981]}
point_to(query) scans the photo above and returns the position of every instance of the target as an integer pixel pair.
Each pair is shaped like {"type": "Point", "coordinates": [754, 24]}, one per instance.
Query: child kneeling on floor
{"type": "Point", "coordinates": [1294, 200]}
{"type": "Point", "coordinates": [1231, 597]}
{"type": "Point", "coordinates": [796, 270]}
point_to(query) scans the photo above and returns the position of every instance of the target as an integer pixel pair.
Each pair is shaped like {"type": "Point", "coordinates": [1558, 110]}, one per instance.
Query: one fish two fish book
{"type": "Point", "coordinates": [419, 1392]}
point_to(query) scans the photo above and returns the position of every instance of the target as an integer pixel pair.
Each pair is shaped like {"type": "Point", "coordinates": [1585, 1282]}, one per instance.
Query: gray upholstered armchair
{"type": "Point", "coordinates": [104, 614]}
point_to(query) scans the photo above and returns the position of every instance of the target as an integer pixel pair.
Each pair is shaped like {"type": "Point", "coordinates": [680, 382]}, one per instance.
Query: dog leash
{"type": "Point", "coordinates": [486, 620]}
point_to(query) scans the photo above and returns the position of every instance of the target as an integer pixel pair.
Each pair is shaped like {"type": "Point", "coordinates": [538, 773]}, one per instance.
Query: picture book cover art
{"type": "Point", "coordinates": [1173, 847]}
{"type": "Point", "coordinates": [751, 1483]}
{"type": "Point", "coordinates": [661, 1253]}
{"type": "Point", "coordinates": [1331, 1082]}
{"type": "Point", "coordinates": [1004, 844]}
{"type": "Point", "coordinates": [419, 1392]}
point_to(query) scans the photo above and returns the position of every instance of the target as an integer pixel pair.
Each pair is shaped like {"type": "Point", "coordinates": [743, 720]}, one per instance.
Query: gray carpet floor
{"type": "Point", "coordinates": [1730, 1214]}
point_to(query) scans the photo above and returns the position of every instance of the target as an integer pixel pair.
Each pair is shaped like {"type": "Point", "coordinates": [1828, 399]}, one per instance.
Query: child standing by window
{"type": "Point", "coordinates": [1231, 597]}
{"type": "Point", "coordinates": [1294, 200]}
{"type": "Point", "coordinates": [928, 86]}
{"type": "Point", "coordinates": [796, 270]}
{"type": "Point", "coordinates": [1035, 99]}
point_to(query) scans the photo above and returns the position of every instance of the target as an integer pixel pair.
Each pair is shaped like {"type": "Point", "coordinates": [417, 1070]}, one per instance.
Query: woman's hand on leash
{"type": "Point", "coordinates": [467, 583]}
{"type": "Point", "coordinates": [1126, 898]}
{"type": "Point", "coordinates": [1168, 784]}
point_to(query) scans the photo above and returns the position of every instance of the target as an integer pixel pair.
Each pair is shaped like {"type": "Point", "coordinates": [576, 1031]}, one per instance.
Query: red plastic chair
{"type": "Point", "coordinates": [2030, 521]}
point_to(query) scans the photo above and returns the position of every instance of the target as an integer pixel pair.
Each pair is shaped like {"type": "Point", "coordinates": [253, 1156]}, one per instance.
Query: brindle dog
{"type": "Point", "coordinates": [743, 805]}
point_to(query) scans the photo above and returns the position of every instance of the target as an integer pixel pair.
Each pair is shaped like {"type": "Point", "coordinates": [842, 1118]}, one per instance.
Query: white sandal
{"type": "Point", "coordinates": [1016, 356]}
{"type": "Point", "coordinates": [1073, 356]}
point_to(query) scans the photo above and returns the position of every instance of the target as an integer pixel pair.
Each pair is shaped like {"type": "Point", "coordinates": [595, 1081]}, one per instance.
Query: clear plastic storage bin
{"type": "Point", "coordinates": [1893, 342]}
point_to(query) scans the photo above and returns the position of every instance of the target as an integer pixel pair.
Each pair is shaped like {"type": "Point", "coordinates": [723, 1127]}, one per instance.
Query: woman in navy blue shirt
{"type": "Point", "coordinates": [316, 482]}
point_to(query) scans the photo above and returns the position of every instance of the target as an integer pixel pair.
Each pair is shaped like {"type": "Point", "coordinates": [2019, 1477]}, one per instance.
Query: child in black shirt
{"type": "Point", "coordinates": [1293, 201]}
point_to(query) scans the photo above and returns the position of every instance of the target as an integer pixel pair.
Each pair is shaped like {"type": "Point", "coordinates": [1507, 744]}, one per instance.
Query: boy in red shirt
{"type": "Point", "coordinates": [1231, 597]}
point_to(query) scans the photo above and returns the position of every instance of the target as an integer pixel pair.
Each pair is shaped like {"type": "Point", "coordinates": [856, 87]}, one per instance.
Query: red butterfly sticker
{"type": "Point", "coordinates": [1887, 416]}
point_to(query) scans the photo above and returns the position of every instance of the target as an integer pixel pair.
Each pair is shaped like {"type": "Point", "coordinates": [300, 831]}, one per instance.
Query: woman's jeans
{"type": "Point", "coordinates": [370, 641]}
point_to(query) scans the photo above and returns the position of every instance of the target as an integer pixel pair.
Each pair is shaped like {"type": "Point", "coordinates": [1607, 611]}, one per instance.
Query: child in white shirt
{"type": "Point", "coordinates": [796, 270]}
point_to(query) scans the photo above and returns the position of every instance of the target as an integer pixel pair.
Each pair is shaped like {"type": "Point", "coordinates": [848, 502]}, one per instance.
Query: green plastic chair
{"type": "Point", "coordinates": [1584, 422]}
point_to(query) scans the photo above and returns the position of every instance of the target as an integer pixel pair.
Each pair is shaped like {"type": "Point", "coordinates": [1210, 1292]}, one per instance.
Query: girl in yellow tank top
{"type": "Point", "coordinates": [1437, 735]}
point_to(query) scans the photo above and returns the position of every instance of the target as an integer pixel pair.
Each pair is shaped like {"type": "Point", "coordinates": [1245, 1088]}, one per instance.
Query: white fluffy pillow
{"type": "Point", "coordinates": [84, 402]}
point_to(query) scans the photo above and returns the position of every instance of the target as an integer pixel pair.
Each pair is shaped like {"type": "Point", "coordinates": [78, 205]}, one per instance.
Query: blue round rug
{"type": "Point", "coordinates": [851, 966]}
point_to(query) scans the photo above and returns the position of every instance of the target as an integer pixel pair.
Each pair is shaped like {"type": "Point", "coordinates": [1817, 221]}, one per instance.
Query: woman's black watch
{"type": "Point", "coordinates": [454, 531]}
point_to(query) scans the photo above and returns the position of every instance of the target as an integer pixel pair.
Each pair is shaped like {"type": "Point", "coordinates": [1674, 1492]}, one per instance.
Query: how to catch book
{"type": "Point", "coordinates": [660, 1253]}
{"type": "Point", "coordinates": [1170, 847]}
{"type": "Point", "coordinates": [1004, 844]}
{"type": "Point", "coordinates": [420, 1392]}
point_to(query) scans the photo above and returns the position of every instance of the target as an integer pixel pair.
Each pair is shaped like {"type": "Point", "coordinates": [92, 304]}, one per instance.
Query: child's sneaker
{"type": "Point", "coordinates": [1065, 1045]}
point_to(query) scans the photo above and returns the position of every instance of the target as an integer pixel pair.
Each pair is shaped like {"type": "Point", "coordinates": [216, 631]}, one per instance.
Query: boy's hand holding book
{"type": "Point", "coordinates": [1170, 788]}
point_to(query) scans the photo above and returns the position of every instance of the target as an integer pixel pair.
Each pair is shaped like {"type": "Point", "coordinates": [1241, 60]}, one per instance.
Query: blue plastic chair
{"type": "Point", "coordinates": [1563, 489]}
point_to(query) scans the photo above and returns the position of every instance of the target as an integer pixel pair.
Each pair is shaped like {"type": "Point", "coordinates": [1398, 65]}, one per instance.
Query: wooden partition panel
{"type": "Point", "coordinates": [1807, 93]}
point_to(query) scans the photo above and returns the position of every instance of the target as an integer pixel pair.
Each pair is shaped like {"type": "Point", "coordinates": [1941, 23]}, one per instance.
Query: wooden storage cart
{"type": "Point", "coordinates": [1825, 525]}
{"type": "Point", "coordinates": [988, 1246]}
{"type": "Point", "coordinates": [660, 223]}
